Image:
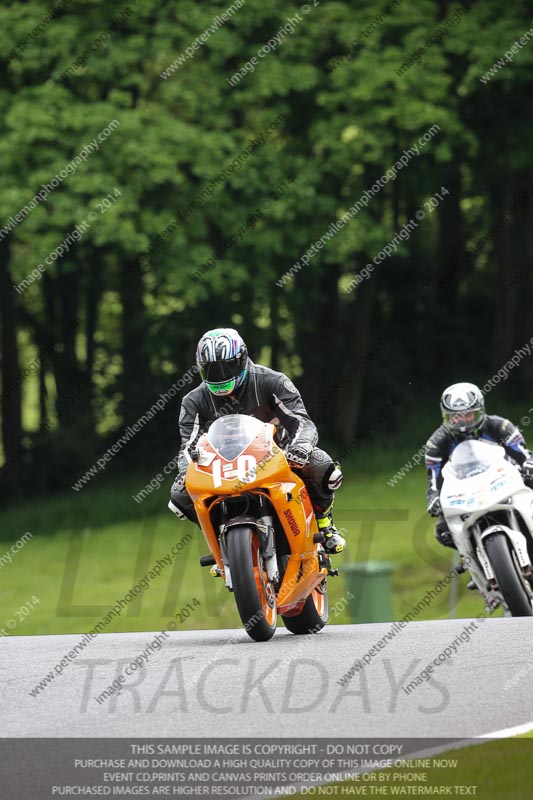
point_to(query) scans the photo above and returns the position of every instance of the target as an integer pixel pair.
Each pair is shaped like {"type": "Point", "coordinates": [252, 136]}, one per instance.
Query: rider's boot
{"type": "Point", "coordinates": [334, 542]}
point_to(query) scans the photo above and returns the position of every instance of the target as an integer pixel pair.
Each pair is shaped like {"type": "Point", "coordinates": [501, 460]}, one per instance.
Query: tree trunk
{"type": "Point", "coordinates": [91, 323]}
{"type": "Point", "coordinates": [59, 334]}
{"type": "Point", "coordinates": [445, 330]}
{"type": "Point", "coordinates": [356, 343]}
{"type": "Point", "coordinates": [514, 287]}
{"type": "Point", "coordinates": [43, 396]}
{"type": "Point", "coordinates": [505, 308]}
{"type": "Point", "coordinates": [451, 242]}
{"type": "Point", "coordinates": [317, 315]}
{"type": "Point", "coordinates": [11, 403]}
{"type": "Point", "coordinates": [136, 381]}
{"type": "Point", "coordinates": [275, 335]}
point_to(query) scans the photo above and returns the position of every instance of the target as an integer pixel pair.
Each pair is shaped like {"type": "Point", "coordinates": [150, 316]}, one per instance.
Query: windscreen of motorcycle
{"type": "Point", "coordinates": [473, 457]}
{"type": "Point", "coordinates": [231, 435]}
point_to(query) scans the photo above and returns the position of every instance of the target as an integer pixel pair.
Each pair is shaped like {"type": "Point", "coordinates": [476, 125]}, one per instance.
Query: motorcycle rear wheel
{"type": "Point", "coordinates": [313, 616]}
{"type": "Point", "coordinates": [254, 594]}
{"type": "Point", "coordinates": [507, 577]}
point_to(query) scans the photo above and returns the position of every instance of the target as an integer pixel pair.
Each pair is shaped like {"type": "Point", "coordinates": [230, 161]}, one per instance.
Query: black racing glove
{"type": "Point", "coordinates": [445, 538]}
{"type": "Point", "coordinates": [298, 454]}
{"type": "Point", "coordinates": [434, 507]}
{"type": "Point", "coordinates": [194, 453]}
{"type": "Point", "coordinates": [179, 483]}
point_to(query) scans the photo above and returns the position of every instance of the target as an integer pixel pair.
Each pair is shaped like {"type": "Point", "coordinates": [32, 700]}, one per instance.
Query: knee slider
{"type": "Point", "coordinates": [334, 479]}
{"type": "Point", "coordinates": [176, 510]}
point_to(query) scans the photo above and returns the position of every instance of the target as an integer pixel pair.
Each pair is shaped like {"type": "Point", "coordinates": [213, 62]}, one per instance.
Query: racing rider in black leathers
{"type": "Point", "coordinates": [233, 384]}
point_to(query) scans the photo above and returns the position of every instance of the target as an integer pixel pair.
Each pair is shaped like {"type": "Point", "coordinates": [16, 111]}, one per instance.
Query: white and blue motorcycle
{"type": "Point", "coordinates": [489, 512]}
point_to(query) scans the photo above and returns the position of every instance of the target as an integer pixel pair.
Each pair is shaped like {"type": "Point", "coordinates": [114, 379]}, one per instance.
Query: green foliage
{"type": "Point", "coordinates": [347, 116]}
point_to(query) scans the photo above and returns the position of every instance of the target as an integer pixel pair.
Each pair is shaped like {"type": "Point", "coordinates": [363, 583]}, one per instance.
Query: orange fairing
{"type": "Point", "coordinates": [230, 465]}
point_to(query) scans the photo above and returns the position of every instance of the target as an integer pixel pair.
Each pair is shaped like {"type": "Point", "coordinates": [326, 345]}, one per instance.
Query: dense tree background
{"type": "Point", "coordinates": [88, 348]}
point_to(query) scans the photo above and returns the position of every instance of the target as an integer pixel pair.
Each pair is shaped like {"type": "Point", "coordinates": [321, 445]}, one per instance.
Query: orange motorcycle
{"type": "Point", "coordinates": [259, 525]}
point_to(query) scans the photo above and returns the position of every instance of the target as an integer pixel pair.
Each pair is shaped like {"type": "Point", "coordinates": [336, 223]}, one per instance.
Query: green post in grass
{"type": "Point", "coordinates": [369, 588]}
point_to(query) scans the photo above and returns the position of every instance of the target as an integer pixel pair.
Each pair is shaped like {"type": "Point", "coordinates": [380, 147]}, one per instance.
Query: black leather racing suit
{"type": "Point", "coordinates": [270, 397]}
{"type": "Point", "coordinates": [443, 442]}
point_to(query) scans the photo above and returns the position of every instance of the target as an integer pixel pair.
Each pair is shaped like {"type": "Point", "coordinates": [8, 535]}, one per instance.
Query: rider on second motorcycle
{"type": "Point", "coordinates": [463, 415]}
{"type": "Point", "coordinates": [233, 384]}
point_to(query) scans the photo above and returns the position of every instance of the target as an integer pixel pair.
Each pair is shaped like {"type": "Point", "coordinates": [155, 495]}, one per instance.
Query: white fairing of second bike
{"type": "Point", "coordinates": [466, 500]}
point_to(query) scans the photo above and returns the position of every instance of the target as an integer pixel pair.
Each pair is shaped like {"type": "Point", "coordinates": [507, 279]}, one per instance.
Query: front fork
{"type": "Point", "coordinates": [264, 528]}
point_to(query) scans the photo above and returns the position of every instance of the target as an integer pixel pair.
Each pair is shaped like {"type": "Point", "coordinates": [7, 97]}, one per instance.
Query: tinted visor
{"type": "Point", "coordinates": [463, 420]}
{"type": "Point", "coordinates": [222, 371]}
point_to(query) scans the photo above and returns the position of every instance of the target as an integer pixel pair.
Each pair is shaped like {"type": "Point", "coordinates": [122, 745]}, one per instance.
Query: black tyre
{"type": "Point", "coordinates": [505, 570]}
{"type": "Point", "coordinates": [254, 594]}
{"type": "Point", "coordinates": [313, 615]}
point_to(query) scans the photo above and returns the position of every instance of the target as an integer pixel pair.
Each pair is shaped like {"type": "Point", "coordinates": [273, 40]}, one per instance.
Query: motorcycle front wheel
{"type": "Point", "coordinates": [507, 577]}
{"type": "Point", "coordinates": [255, 595]}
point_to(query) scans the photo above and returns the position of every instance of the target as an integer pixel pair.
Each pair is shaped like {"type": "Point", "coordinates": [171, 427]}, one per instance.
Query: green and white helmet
{"type": "Point", "coordinates": [222, 360]}
{"type": "Point", "coordinates": [463, 407]}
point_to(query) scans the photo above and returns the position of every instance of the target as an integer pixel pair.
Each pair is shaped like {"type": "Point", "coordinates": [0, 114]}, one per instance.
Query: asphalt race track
{"type": "Point", "coordinates": [220, 683]}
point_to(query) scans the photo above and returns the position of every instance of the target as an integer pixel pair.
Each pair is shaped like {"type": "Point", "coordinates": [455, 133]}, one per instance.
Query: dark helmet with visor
{"type": "Point", "coordinates": [222, 360]}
